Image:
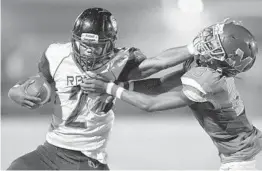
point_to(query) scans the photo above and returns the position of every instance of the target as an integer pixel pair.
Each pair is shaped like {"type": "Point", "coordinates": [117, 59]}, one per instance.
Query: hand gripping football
{"type": "Point", "coordinates": [39, 87]}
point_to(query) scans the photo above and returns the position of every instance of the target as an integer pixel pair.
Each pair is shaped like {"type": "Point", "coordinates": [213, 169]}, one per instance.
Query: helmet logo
{"type": "Point", "coordinates": [114, 23]}
{"type": "Point", "coordinates": [89, 37]}
{"type": "Point", "coordinates": [237, 60]}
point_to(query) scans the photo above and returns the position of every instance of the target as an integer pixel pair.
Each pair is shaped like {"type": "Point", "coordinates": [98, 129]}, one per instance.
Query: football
{"type": "Point", "coordinates": [39, 87]}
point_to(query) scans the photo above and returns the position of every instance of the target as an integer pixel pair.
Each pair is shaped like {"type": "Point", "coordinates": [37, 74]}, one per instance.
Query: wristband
{"type": "Point", "coordinates": [119, 92]}
{"type": "Point", "coordinates": [109, 88]}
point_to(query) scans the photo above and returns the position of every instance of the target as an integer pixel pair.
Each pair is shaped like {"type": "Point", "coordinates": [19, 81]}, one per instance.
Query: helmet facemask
{"type": "Point", "coordinates": [91, 53]}
{"type": "Point", "coordinates": [209, 45]}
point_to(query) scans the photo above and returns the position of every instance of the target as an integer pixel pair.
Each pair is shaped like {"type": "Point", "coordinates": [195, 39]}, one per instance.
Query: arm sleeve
{"type": "Point", "coordinates": [44, 68]}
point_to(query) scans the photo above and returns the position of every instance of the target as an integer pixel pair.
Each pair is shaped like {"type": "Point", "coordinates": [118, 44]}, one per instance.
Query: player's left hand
{"type": "Point", "coordinates": [94, 84]}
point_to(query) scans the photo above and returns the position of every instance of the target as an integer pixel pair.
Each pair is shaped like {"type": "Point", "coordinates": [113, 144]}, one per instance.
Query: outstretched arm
{"type": "Point", "coordinates": [154, 94]}
{"type": "Point", "coordinates": [168, 58]}
{"type": "Point", "coordinates": [150, 86]}
{"type": "Point", "coordinates": [150, 103]}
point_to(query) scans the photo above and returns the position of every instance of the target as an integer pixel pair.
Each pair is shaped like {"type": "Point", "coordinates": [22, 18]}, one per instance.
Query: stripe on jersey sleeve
{"type": "Point", "coordinates": [44, 69]}
{"type": "Point", "coordinates": [193, 83]}
{"type": "Point", "coordinates": [193, 94]}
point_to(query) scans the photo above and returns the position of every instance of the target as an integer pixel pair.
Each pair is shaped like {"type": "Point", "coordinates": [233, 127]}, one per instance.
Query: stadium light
{"type": "Point", "coordinates": [190, 6]}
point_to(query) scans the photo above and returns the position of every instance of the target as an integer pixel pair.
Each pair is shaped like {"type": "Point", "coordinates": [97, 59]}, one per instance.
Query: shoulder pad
{"type": "Point", "coordinates": [136, 54]}
{"type": "Point", "coordinates": [134, 58]}
{"type": "Point", "coordinates": [133, 53]}
{"type": "Point", "coordinates": [58, 50]}
{"type": "Point", "coordinates": [205, 80]}
{"type": "Point", "coordinates": [55, 53]}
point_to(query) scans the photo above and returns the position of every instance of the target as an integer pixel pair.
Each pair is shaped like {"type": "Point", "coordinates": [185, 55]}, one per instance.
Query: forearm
{"type": "Point", "coordinates": [141, 101]}
{"type": "Point", "coordinates": [168, 58]}
{"type": "Point", "coordinates": [154, 103]}
{"type": "Point", "coordinates": [149, 103]}
{"type": "Point", "coordinates": [172, 57]}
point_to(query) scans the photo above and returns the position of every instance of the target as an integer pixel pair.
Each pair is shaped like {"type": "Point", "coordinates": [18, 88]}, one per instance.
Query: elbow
{"type": "Point", "coordinates": [149, 109]}
{"type": "Point", "coordinates": [148, 106]}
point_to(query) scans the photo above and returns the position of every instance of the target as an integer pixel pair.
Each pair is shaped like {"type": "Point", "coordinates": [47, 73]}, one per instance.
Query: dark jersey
{"type": "Point", "coordinates": [220, 111]}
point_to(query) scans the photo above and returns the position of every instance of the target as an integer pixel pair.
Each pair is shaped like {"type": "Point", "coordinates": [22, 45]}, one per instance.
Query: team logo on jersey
{"type": "Point", "coordinates": [89, 37]}
{"type": "Point", "coordinates": [74, 80]}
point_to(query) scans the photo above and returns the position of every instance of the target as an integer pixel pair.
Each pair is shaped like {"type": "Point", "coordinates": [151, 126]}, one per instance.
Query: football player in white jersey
{"type": "Point", "coordinates": [225, 50]}
{"type": "Point", "coordinates": [81, 122]}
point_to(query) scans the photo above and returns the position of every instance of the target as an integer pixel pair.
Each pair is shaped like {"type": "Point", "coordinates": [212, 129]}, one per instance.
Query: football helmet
{"type": "Point", "coordinates": [227, 47]}
{"type": "Point", "coordinates": [93, 38]}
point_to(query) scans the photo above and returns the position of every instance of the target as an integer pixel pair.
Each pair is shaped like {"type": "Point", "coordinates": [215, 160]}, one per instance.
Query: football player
{"type": "Point", "coordinates": [225, 50]}
{"type": "Point", "coordinates": [81, 121]}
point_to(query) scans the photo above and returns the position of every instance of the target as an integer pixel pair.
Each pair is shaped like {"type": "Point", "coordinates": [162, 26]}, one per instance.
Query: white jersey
{"type": "Point", "coordinates": [76, 125]}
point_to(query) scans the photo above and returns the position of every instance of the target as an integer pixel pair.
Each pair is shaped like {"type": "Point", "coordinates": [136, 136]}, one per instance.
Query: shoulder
{"type": "Point", "coordinates": [203, 78]}
{"type": "Point", "coordinates": [203, 81]}
{"type": "Point", "coordinates": [52, 57]}
{"type": "Point", "coordinates": [132, 53]}
{"type": "Point", "coordinates": [56, 51]}
{"type": "Point", "coordinates": [133, 57]}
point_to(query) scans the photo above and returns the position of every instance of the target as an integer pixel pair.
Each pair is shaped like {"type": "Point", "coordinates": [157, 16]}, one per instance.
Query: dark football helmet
{"type": "Point", "coordinates": [226, 46]}
{"type": "Point", "coordinates": [93, 39]}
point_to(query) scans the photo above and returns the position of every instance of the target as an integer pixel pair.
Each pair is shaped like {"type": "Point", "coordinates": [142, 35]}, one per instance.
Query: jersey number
{"type": "Point", "coordinates": [71, 121]}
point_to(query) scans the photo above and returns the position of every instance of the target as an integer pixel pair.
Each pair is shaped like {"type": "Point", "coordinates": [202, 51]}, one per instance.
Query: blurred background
{"type": "Point", "coordinates": [163, 140]}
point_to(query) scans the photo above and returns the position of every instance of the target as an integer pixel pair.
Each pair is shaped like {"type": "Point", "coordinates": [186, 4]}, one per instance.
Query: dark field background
{"type": "Point", "coordinates": [163, 140]}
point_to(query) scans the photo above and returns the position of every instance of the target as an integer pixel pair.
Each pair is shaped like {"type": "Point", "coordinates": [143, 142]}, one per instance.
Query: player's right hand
{"type": "Point", "coordinates": [18, 95]}
{"type": "Point", "coordinates": [94, 85]}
